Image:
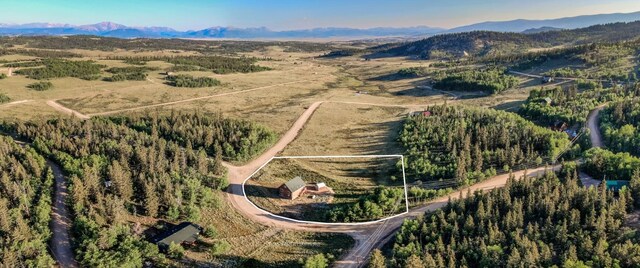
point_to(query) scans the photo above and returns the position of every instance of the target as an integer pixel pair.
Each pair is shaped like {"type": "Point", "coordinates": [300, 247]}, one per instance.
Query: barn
{"type": "Point", "coordinates": [293, 188]}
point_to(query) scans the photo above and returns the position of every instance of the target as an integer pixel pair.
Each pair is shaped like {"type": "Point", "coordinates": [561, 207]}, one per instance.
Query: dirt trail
{"type": "Point", "coordinates": [65, 110]}
{"type": "Point", "coordinates": [60, 221]}
{"type": "Point", "coordinates": [15, 103]}
{"type": "Point", "coordinates": [594, 129]}
{"type": "Point", "coordinates": [194, 99]}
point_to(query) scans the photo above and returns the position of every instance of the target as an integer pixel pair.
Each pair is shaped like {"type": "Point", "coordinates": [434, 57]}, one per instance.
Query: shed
{"type": "Point", "coordinates": [293, 188]}
{"type": "Point", "coordinates": [547, 100]}
{"type": "Point", "coordinates": [319, 186]}
{"type": "Point", "coordinates": [183, 233]}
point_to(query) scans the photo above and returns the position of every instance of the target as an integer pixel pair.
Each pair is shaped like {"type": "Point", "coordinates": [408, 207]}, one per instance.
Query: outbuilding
{"type": "Point", "coordinates": [318, 186]}
{"type": "Point", "coordinates": [183, 233]}
{"type": "Point", "coordinates": [293, 188]}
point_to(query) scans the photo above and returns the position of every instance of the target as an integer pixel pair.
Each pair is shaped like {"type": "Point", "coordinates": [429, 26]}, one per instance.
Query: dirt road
{"type": "Point", "coordinates": [594, 129]}
{"type": "Point", "coordinates": [60, 221]}
{"type": "Point", "coordinates": [15, 103]}
{"type": "Point", "coordinates": [66, 110]}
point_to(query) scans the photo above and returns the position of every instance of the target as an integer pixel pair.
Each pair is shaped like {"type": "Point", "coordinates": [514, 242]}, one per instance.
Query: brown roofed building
{"type": "Point", "coordinates": [293, 188]}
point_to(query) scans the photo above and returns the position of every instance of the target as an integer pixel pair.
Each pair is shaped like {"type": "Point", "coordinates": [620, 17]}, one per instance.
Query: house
{"type": "Point", "coordinates": [293, 188]}
{"type": "Point", "coordinates": [547, 79]}
{"type": "Point", "coordinates": [183, 233]}
{"type": "Point", "coordinates": [616, 185]}
{"type": "Point", "coordinates": [548, 101]}
{"type": "Point", "coordinates": [559, 126]}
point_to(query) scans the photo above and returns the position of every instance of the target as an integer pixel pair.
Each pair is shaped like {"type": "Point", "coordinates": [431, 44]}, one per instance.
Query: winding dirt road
{"type": "Point", "coordinates": [60, 221]}
{"type": "Point", "coordinates": [594, 129]}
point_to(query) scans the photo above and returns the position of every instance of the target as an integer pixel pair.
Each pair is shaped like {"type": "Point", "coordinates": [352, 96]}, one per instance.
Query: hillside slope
{"type": "Point", "coordinates": [481, 43]}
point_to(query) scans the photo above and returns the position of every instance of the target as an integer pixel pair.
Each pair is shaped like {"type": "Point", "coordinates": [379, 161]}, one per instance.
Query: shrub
{"type": "Point", "coordinates": [220, 247]}
{"type": "Point", "coordinates": [210, 231]}
{"type": "Point", "coordinates": [4, 98]}
{"type": "Point", "coordinates": [176, 251]}
{"type": "Point", "coordinates": [41, 86]}
{"type": "Point", "coordinates": [316, 261]}
{"type": "Point", "coordinates": [3, 76]}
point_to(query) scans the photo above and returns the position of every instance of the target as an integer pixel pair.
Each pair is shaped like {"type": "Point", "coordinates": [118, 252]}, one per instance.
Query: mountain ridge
{"type": "Point", "coordinates": [111, 29]}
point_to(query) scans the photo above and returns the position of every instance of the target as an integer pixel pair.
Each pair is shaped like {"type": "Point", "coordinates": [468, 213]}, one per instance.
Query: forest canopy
{"type": "Point", "coordinates": [469, 144]}
{"type": "Point", "coordinates": [544, 222]}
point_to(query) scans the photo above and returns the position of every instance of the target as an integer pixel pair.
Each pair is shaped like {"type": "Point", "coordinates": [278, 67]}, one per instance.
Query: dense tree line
{"type": "Point", "coordinates": [412, 72]}
{"type": "Point", "coordinates": [601, 163]}
{"type": "Point", "coordinates": [383, 202]}
{"type": "Point", "coordinates": [469, 144]}
{"type": "Point", "coordinates": [129, 73]}
{"type": "Point", "coordinates": [184, 80]}
{"type": "Point", "coordinates": [117, 172]}
{"type": "Point", "coordinates": [157, 44]}
{"type": "Point", "coordinates": [41, 86]}
{"type": "Point", "coordinates": [545, 222]}
{"type": "Point", "coordinates": [40, 53]}
{"type": "Point", "coordinates": [619, 124]}
{"type": "Point", "coordinates": [25, 206]}
{"type": "Point", "coordinates": [569, 105]}
{"type": "Point", "coordinates": [131, 69]}
{"type": "Point", "coordinates": [231, 139]}
{"type": "Point", "coordinates": [137, 76]}
{"type": "Point", "coordinates": [57, 68]}
{"type": "Point", "coordinates": [490, 80]}
{"type": "Point", "coordinates": [23, 64]}
{"type": "Point", "coordinates": [216, 64]}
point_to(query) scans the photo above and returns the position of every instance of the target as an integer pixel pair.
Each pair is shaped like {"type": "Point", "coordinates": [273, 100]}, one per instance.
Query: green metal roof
{"type": "Point", "coordinates": [184, 232]}
{"type": "Point", "coordinates": [295, 184]}
{"type": "Point", "coordinates": [617, 185]}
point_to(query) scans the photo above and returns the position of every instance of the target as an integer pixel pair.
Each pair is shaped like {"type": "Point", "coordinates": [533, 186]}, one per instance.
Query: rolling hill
{"type": "Point", "coordinates": [481, 43]}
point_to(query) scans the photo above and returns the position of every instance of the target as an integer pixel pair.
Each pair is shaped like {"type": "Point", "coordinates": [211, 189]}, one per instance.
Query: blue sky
{"type": "Point", "coordinates": [298, 14]}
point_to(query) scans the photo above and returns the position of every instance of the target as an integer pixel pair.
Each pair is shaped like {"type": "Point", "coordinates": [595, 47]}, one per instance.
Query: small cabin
{"type": "Point", "coordinates": [293, 188]}
{"type": "Point", "coordinates": [181, 234]}
{"type": "Point", "coordinates": [559, 126]}
{"type": "Point", "coordinates": [548, 101]}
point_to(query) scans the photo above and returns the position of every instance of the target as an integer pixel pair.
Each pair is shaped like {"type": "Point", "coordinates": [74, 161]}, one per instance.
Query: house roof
{"type": "Point", "coordinates": [295, 184]}
{"type": "Point", "coordinates": [184, 232]}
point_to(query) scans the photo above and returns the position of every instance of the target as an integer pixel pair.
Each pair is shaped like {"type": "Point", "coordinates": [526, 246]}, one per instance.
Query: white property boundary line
{"type": "Point", "coordinates": [404, 180]}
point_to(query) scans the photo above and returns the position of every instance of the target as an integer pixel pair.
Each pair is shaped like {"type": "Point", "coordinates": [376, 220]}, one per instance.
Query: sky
{"type": "Point", "coordinates": [300, 14]}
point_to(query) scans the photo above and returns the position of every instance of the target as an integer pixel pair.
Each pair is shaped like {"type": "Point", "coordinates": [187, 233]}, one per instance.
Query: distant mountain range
{"type": "Point", "coordinates": [110, 29]}
{"type": "Point", "coordinates": [562, 23]}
